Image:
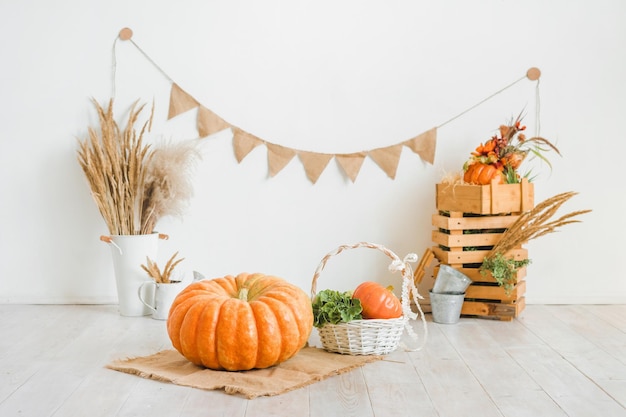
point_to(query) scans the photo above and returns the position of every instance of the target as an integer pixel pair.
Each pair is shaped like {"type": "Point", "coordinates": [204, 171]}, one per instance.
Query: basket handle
{"type": "Point", "coordinates": [397, 264]}
{"type": "Point", "coordinates": [396, 260]}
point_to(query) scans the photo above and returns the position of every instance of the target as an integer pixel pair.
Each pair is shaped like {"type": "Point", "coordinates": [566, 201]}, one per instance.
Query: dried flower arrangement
{"type": "Point", "coordinates": [500, 157]}
{"type": "Point", "coordinates": [135, 184]}
{"type": "Point", "coordinates": [162, 277]}
{"type": "Point", "coordinates": [530, 225]}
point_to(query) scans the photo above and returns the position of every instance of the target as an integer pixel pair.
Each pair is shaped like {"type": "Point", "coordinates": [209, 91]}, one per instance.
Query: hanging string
{"type": "Point", "coordinates": [481, 102]}
{"type": "Point", "coordinates": [126, 34]}
{"type": "Point", "coordinates": [151, 61]}
{"type": "Point", "coordinates": [113, 68]}
{"type": "Point", "coordinates": [532, 74]}
{"type": "Point", "coordinates": [537, 111]}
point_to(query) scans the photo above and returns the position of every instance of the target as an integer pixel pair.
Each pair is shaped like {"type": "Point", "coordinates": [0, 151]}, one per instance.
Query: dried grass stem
{"type": "Point", "coordinates": [162, 277]}
{"type": "Point", "coordinates": [536, 223]}
{"type": "Point", "coordinates": [134, 184]}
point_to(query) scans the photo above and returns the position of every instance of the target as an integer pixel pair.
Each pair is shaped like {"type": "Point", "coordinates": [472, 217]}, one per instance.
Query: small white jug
{"type": "Point", "coordinates": [164, 294]}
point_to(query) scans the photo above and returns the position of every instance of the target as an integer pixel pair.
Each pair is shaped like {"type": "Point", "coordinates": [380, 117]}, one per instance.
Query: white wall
{"type": "Point", "coordinates": [326, 76]}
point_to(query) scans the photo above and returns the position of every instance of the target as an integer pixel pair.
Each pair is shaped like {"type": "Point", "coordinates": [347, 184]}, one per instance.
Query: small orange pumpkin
{"type": "Point", "coordinates": [482, 174]}
{"type": "Point", "coordinates": [377, 301]}
{"type": "Point", "coordinates": [240, 322]}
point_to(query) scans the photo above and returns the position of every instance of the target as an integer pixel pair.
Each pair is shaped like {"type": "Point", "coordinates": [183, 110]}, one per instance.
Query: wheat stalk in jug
{"type": "Point", "coordinates": [134, 184]}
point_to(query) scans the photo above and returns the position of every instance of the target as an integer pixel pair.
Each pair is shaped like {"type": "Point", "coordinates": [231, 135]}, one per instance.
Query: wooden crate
{"type": "Point", "coordinates": [466, 240]}
{"type": "Point", "coordinates": [486, 199]}
{"type": "Point", "coordinates": [493, 310]}
{"type": "Point", "coordinates": [463, 240]}
{"type": "Point", "coordinates": [484, 298]}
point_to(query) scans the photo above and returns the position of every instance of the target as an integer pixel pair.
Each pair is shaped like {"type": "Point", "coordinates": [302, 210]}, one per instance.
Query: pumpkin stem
{"type": "Point", "coordinates": [243, 294]}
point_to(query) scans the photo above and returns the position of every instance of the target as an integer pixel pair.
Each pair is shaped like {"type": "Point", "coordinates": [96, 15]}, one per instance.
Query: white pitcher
{"type": "Point", "coordinates": [164, 294]}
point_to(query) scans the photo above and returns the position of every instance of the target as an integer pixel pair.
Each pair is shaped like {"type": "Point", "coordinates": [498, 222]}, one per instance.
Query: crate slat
{"type": "Point", "coordinates": [495, 293]}
{"type": "Point", "coordinates": [461, 240]}
{"type": "Point", "coordinates": [498, 311]}
{"type": "Point", "coordinates": [456, 256]}
{"type": "Point", "coordinates": [476, 276]}
{"type": "Point", "coordinates": [486, 199]}
{"type": "Point", "coordinates": [473, 223]}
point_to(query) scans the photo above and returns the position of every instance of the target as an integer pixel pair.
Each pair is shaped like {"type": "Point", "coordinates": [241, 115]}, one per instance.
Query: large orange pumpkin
{"type": "Point", "coordinates": [240, 322]}
{"type": "Point", "coordinates": [482, 174]}
{"type": "Point", "coordinates": [377, 301]}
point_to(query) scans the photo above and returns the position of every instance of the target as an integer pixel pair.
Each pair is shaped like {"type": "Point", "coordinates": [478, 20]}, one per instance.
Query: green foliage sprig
{"type": "Point", "coordinates": [330, 306]}
{"type": "Point", "coordinates": [503, 270]}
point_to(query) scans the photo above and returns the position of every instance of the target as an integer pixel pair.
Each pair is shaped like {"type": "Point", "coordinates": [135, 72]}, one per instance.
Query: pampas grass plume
{"type": "Point", "coordinates": [135, 184]}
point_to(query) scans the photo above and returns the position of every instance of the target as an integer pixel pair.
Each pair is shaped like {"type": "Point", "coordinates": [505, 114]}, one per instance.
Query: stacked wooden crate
{"type": "Point", "coordinates": [471, 219]}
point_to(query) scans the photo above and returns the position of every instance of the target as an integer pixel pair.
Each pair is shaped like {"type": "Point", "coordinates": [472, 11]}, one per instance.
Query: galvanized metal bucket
{"type": "Point", "coordinates": [450, 280]}
{"type": "Point", "coordinates": [446, 306]}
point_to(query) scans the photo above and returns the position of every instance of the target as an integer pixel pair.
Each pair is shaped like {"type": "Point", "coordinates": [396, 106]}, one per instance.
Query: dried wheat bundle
{"type": "Point", "coordinates": [530, 225]}
{"type": "Point", "coordinates": [536, 223]}
{"type": "Point", "coordinates": [161, 277]}
{"type": "Point", "coordinates": [114, 161]}
{"type": "Point", "coordinates": [135, 184]}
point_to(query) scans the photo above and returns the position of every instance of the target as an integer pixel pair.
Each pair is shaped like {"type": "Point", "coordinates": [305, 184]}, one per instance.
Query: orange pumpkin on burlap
{"type": "Point", "coordinates": [240, 322]}
{"type": "Point", "coordinates": [482, 174]}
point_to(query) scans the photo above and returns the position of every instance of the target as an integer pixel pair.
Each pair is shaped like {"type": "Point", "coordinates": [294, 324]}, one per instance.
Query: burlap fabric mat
{"type": "Point", "coordinates": [308, 366]}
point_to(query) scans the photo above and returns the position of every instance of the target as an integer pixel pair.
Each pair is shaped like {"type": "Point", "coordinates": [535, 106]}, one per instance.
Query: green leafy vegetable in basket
{"type": "Point", "coordinates": [330, 306]}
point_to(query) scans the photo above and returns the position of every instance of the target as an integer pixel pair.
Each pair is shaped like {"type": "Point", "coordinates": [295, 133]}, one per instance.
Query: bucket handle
{"type": "Point", "coordinates": [109, 239]}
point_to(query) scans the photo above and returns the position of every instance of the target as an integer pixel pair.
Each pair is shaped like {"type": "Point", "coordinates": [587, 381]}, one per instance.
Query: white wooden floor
{"type": "Point", "coordinates": [552, 361]}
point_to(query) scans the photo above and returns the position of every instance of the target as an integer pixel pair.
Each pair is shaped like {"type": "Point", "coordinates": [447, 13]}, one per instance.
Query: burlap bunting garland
{"type": "Point", "coordinates": [387, 158]}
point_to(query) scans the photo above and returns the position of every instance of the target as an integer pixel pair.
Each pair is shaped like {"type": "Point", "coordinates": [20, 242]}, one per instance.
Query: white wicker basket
{"type": "Point", "coordinates": [372, 336]}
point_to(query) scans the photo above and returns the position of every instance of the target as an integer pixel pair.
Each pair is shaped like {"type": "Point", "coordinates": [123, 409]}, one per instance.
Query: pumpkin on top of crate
{"type": "Point", "coordinates": [499, 159]}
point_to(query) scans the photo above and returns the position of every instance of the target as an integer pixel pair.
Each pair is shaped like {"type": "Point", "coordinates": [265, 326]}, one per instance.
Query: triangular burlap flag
{"type": "Point", "coordinates": [424, 145]}
{"type": "Point", "coordinates": [209, 122]}
{"type": "Point", "coordinates": [351, 163]}
{"type": "Point", "coordinates": [387, 158]}
{"type": "Point", "coordinates": [314, 163]}
{"type": "Point", "coordinates": [278, 157]}
{"type": "Point", "coordinates": [180, 101]}
{"type": "Point", "coordinates": [244, 143]}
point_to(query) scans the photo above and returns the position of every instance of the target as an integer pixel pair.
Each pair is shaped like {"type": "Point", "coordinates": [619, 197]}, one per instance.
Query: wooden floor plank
{"type": "Point", "coordinates": [577, 395]}
{"type": "Point", "coordinates": [43, 393]}
{"type": "Point", "coordinates": [344, 395]}
{"type": "Point", "coordinates": [551, 361]}
{"type": "Point", "coordinates": [450, 384]}
{"type": "Point", "coordinates": [213, 403]}
{"type": "Point", "coordinates": [294, 403]}
{"type": "Point", "coordinates": [486, 359]}
{"type": "Point", "coordinates": [593, 346]}
{"type": "Point", "coordinates": [508, 385]}
{"type": "Point", "coordinates": [33, 364]}
{"type": "Point", "coordinates": [570, 368]}
{"type": "Point", "coordinates": [604, 330]}
{"type": "Point", "coordinates": [611, 314]}
{"type": "Point", "coordinates": [395, 389]}
{"type": "Point", "coordinates": [102, 393]}
{"type": "Point", "coordinates": [591, 343]}
{"type": "Point", "coordinates": [154, 399]}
